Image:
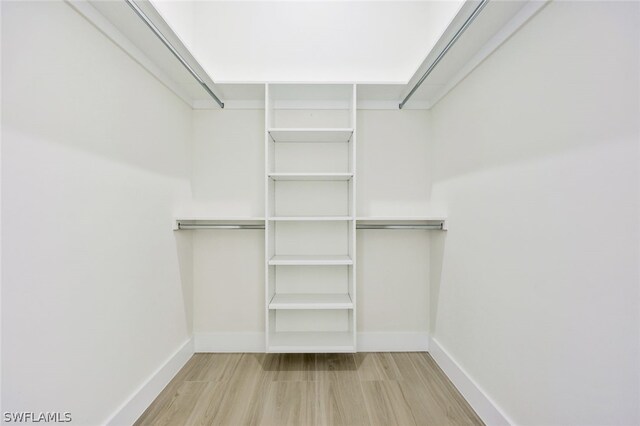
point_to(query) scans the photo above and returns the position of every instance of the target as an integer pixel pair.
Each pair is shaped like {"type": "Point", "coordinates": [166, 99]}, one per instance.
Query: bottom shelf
{"type": "Point", "coordinates": [311, 342]}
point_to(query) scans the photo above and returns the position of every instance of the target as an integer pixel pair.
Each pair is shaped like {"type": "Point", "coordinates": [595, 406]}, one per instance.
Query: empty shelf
{"type": "Point", "coordinates": [401, 219]}
{"type": "Point", "coordinates": [311, 135]}
{"type": "Point", "coordinates": [311, 301]}
{"type": "Point", "coordinates": [310, 260]}
{"type": "Point", "coordinates": [310, 176]}
{"type": "Point", "coordinates": [312, 341]}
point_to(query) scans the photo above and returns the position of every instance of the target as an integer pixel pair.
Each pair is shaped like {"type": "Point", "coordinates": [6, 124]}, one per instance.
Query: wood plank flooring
{"type": "Point", "coordinates": [310, 389]}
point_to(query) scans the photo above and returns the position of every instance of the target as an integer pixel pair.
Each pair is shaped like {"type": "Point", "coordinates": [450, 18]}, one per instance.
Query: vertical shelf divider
{"type": "Point", "coordinates": [352, 207]}
{"type": "Point", "coordinates": [269, 234]}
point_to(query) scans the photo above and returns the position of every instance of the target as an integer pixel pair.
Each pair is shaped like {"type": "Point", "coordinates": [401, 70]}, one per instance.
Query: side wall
{"type": "Point", "coordinates": [96, 288]}
{"type": "Point", "coordinates": [228, 180]}
{"type": "Point", "coordinates": [535, 285]}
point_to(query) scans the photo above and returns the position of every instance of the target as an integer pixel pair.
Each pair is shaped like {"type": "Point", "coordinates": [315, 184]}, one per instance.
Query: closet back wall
{"type": "Point", "coordinates": [228, 265]}
{"type": "Point", "coordinates": [228, 180]}
{"type": "Point", "coordinates": [96, 291]}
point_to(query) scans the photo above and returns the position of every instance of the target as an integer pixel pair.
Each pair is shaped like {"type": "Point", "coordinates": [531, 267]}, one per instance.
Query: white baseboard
{"type": "Point", "coordinates": [138, 402]}
{"type": "Point", "coordinates": [393, 342]}
{"type": "Point", "coordinates": [366, 342]}
{"type": "Point", "coordinates": [484, 406]}
{"type": "Point", "coordinates": [229, 342]}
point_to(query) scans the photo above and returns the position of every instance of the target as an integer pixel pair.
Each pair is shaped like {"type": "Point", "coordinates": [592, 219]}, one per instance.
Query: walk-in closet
{"type": "Point", "coordinates": [313, 212]}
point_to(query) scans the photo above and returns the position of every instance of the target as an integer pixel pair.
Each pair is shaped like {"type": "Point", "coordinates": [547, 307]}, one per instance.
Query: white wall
{"type": "Point", "coordinates": [228, 180]}
{"type": "Point", "coordinates": [535, 285]}
{"type": "Point", "coordinates": [393, 281]}
{"type": "Point", "coordinates": [228, 162]}
{"type": "Point", "coordinates": [394, 150]}
{"type": "Point", "coordinates": [393, 153]}
{"type": "Point", "coordinates": [96, 290]}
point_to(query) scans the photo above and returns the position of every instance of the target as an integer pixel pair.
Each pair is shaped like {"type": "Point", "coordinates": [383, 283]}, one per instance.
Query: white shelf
{"type": "Point", "coordinates": [309, 260]}
{"type": "Point", "coordinates": [310, 218]}
{"type": "Point", "coordinates": [311, 176]}
{"type": "Point", "coordinates": [311, 301]}
{"type": "Point", "coordinates": [399, 219]}
{"type": "Point", "coordinates": [235, 219]}
{"type": "Point", "coordinates": [310, 135]}
{"type": "Point", "coordinates": [311, 342]}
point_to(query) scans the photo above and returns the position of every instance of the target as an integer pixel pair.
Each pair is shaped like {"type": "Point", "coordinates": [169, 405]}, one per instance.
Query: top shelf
{"type": "Point", "coordinates": [314, 92]}
{"type": "Point", "coordinates": [330, 135]}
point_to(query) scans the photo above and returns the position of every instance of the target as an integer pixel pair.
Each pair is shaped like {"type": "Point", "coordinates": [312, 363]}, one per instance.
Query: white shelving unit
{"type": "Point", "coordinates": [310, 224]}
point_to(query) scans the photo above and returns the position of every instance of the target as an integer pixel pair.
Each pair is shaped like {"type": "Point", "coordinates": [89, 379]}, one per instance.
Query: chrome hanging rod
{"type": "Point", "coordinates": [216, 226]}
{"type": "Point", "coordinates": [436, 227]}
{"type": "Point", "coordinates": [187, 226]}
{"type": "Point", "coordinates": [172, 49]}
{"type": "Point", "coordinates": [455, 38]}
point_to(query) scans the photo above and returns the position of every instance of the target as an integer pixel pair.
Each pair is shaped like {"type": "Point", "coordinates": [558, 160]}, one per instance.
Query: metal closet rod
{"type": "Point", "coordinates": [437, 227]}
{"type": "Point", "coordinates": [455, 38]}
{"type": "Point", "coordinates": [216, 226]}
{"type": "Point", "coordinates": [186, 226]}
{"type": "Point", "coordinates": [173, 50]}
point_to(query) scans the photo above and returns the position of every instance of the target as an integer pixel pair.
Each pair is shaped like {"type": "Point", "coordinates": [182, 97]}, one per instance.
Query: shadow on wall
{"type": "Point", "coordinates": [537, 169]}
{"type": "Point", "coordinates": [545, 92]}
{"type": "Point", "coordinates": [437, 241]}
{"type": "Point", "coordinates": [550, 131]}
{"type": "Point", "coordinates": [184, 253]}
{"type": "Point", "coordinates": [65, 82]}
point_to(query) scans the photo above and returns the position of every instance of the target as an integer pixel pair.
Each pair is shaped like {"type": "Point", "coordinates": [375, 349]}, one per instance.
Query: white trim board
{"type": "Point", "coordinates": [249, 342]}
{"type": "Point", "coordinates": [133, 407]}
{"type": "Point", "coordinates": [391, 104]}
{"type": "Point", "coordinates": [254, 342]}
{"type": "Point", "coordinates": [366, 342]}
{"type": "Point", "coordinates": [206, 104]}
{"type": "Point", "coordinates": [483, 405]}
{"type": "Point", "coordinates": [257, 105]}
{"type": "Point", "coordinates": [112, 32]}
{"type": "Point", "coordinates": [393, 342]}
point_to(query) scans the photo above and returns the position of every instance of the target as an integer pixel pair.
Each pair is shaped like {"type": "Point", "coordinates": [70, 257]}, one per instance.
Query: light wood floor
{"type": "Point", "coordinates": [310, 389]}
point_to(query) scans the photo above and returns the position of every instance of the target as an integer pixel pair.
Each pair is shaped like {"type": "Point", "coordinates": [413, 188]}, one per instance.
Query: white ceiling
{"type": "Point", "coordinates": [335, 41]}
